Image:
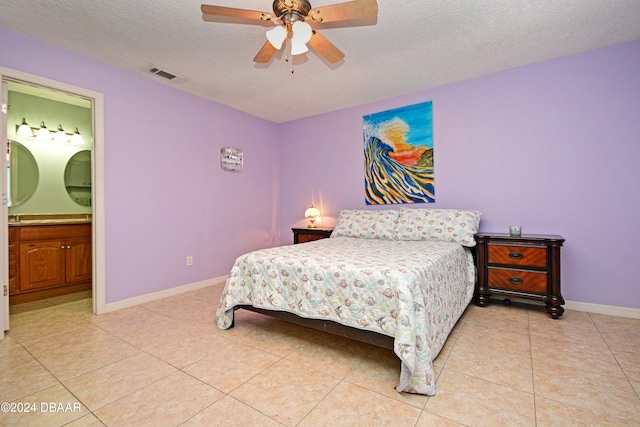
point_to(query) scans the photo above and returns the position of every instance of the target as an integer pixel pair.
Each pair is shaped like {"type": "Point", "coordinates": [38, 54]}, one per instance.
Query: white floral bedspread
{"type": "Point", "coordinates": [414, 291]}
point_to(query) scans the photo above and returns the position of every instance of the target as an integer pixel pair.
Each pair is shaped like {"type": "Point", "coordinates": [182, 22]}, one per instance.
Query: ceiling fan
{"type": "Point", "coordinates": [295, 21]}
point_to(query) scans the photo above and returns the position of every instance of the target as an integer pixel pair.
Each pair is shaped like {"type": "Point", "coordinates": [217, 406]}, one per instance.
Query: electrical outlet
{"type": "Point", "coordinates": [189, 260]}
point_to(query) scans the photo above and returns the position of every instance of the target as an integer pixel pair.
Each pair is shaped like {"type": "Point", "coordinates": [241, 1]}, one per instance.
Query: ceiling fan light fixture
{"type": "Point", "coordinates": [302, 31]}
{"type": "Point", "coordinates": [294, 32]}
{"type": "Point", "coordinates": [276, 36]}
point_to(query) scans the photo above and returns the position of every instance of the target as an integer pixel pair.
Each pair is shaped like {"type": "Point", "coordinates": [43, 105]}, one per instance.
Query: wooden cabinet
{"type": "Point", "coordinates": [302, 235]}
{"type": "Point", "coordinates": [51, 260]}
{"type": "Point", "coordinates": [526, 266]}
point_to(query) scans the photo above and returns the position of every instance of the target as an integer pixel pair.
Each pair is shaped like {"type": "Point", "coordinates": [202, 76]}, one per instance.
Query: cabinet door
{"type": "Point", "coordinates": [41, 265]}
{"type": "Point", "coordinates": [78, 260]}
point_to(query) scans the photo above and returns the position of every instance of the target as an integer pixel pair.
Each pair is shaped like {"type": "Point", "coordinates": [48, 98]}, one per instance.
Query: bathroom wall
{"type": "Point", "coordinates": [51, 156]}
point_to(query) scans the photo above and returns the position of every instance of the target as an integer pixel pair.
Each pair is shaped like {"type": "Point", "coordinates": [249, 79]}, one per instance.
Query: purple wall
{"type": "Point", "coordinates": [554, 147]}
{"type": "Point", "coordinates": [165, 195]}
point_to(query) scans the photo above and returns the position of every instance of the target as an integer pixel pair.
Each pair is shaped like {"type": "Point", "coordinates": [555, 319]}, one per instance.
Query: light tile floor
{"type": "Point", "coordinates": [164, 363]}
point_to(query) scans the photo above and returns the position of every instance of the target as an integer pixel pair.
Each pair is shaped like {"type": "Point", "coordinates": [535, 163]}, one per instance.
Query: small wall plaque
{"type": "Point", "coordinates": [231, 159]}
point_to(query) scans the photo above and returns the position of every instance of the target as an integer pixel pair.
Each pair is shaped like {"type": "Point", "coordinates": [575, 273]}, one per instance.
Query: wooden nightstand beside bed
{"type": "Point", "coordinates": [526, 266]}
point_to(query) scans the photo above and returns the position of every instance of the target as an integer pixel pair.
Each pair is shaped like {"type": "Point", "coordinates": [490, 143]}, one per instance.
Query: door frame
{"type": "Point", "coordinates": [4, 219]}
{"type": "Point", "coordinates": [97, 190]}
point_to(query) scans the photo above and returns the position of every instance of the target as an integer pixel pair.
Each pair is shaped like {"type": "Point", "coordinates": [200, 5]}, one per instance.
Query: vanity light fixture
{"type": "Point", "coordinates": [43, 132]}
{"type": "Point", "coordinates": [312, 213]}
{"type": "Point", "coordinates": [24, 129]}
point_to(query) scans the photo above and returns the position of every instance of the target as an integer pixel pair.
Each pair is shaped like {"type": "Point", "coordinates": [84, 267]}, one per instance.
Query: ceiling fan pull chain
{"type": "Point", "coordinates": [288, 56]}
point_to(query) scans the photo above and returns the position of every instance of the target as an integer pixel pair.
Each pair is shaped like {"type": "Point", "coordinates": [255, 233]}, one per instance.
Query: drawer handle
{"type": "Point", "coordinates": [516, 255]}
{"type": "Point", "coordinates": [516, 280]}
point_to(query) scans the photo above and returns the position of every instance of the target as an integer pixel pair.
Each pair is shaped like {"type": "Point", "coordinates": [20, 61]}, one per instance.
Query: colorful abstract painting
{"type": "Point", "coordinates": [398, 155]}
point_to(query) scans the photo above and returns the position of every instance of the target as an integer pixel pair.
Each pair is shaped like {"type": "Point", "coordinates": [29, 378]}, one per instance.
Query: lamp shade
{"type": "Point", "coordinates": [276, 36]}
{"type": "Point", "coordinates": [302, 31]}
{"type": "Point", "coordinates": [76, 138]}
{"type": "Point", "coordinates": [43, 132]}
{"type": "Point", "coordinates": [24, 129]}
{"type": "Point", "coordinates": [60, 135]}
{"type": "Point", "coordinates": [312, 213]}
{"type": "Point", "coordinates": [301, 35]}
{"type": "Point", "coordinates": [298, 47]}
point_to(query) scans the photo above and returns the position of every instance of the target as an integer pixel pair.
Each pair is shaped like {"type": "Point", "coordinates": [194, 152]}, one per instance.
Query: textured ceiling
{"type": "Point", "coordinates": [413, 45]}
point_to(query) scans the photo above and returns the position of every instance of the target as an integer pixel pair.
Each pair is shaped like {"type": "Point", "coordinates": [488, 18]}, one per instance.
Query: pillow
{"type": "Point", "coordinates": [445, 225]}
{"type": "Point", "coordinates": [367, 224]}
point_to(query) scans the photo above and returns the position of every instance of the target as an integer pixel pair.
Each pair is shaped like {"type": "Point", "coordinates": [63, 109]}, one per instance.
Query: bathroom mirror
{"type": "Point", "coordinates": [77, 177]}
{"type": "Point", "coordinates": [23, 174]}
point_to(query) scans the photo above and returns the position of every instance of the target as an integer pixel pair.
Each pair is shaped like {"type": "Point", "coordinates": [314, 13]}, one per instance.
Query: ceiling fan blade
{"type": "Point", "coordinates": [325, 47]}
{"type": "Point", "coordinates": [357, 9]}
{"type": "Point", "coordinates": [209, 11]}
{"type": "Point", "coordinates": [266, 53]}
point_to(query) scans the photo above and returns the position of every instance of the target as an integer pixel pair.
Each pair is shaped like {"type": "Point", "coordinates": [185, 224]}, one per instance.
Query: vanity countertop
{"type": "Point", "coordinates": [48, 219]}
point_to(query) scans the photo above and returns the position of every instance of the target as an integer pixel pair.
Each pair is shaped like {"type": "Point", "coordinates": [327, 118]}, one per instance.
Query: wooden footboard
{"type": "Point", "coordinates": [329, 326]}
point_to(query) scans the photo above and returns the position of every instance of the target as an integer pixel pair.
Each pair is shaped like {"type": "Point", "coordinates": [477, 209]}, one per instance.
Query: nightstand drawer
{"type": "Point", "coordinates": [525, 256]}
{"type": "Point", "coordinates": [517, 280]}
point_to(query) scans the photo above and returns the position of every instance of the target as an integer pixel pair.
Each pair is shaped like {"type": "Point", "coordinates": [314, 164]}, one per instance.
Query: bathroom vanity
{"type": "Point", "coordinates": [49, 256]}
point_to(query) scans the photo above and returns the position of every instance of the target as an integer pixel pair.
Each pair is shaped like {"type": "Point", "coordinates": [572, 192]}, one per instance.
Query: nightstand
{"type": "Point", "coordinates": [526, 266]}
{"type": "Point", "coordinates": [302, 235]}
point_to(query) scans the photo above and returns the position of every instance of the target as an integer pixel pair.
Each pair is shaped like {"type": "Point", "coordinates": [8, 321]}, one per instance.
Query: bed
{"type": "Point", "coordinates": [398, 278]}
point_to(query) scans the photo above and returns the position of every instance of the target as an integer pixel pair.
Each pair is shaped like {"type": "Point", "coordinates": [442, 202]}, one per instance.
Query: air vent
{"type": "Point", "coordinates": [167, 75]}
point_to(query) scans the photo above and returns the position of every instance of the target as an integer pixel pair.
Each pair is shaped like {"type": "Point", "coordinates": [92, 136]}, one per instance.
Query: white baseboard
{"type": "Point", "coordinates": [609, 310]}
{"type": "Point", "coordinates": [131, 302]}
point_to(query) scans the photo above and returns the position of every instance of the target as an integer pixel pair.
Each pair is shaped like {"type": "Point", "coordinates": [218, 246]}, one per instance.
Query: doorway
{"type": "Point", "coordinates": [95, 193]}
